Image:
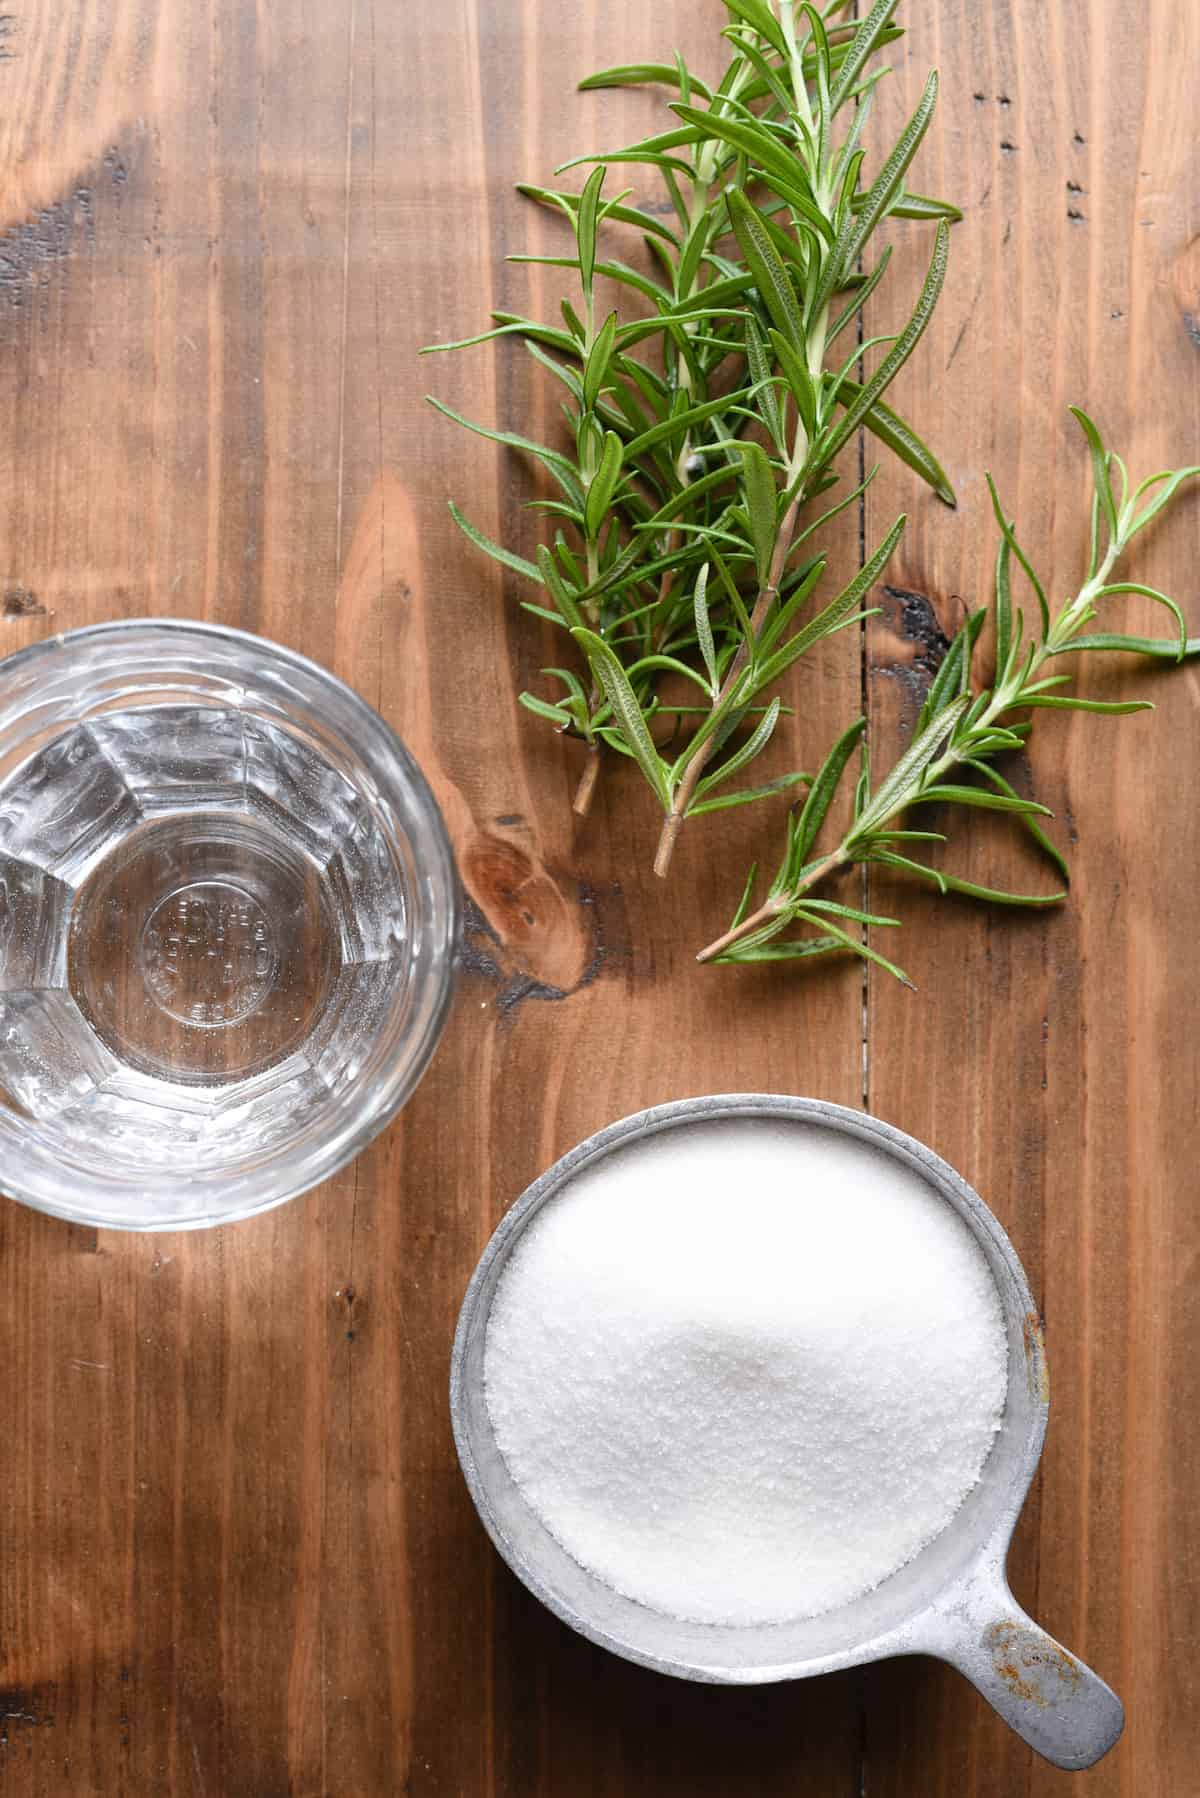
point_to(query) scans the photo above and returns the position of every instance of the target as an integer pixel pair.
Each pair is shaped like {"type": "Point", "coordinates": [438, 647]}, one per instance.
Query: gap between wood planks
{"type": "Point", "coordinates": [864, 875]}
{"type": "Point", "coordinates": [859, 1676]}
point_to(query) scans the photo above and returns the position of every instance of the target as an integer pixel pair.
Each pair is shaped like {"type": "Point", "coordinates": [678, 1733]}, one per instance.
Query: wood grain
{"type": "Point", "coordinates": [237, 1556]}
{"type": "Point", "coordinates": [1049, 1056]}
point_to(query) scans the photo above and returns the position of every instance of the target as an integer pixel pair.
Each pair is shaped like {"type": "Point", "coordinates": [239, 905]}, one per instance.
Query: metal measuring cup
{"type": "Point", "coordinates": [952, 1600]}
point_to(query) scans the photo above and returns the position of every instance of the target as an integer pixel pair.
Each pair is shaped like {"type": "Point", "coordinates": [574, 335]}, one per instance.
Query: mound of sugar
{"type": "Point", "coordinates": [746, 1369]}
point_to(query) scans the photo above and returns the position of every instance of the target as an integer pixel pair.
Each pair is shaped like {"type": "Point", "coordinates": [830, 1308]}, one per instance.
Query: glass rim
{"type": "Point", "coordinates": [279, 1178]}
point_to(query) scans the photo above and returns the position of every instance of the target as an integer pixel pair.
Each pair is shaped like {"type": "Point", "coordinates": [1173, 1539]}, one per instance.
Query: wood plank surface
{"type": "Point", "coordinates": [236, 1555]}
{"type": "Point", "coordinates": [1049, 1056]}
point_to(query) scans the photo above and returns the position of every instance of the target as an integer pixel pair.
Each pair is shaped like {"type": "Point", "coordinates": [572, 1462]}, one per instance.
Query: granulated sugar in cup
{"type": "Point", "coordinates": [751, 1388]}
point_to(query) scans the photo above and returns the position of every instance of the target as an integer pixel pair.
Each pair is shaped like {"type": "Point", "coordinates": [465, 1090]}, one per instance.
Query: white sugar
{"type": "Point", "coordinates": [747, 1369]}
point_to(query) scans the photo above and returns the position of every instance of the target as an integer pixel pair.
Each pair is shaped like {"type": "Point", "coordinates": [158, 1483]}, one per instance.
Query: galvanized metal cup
{"type": "Point", "coordinates": [951, 1601]}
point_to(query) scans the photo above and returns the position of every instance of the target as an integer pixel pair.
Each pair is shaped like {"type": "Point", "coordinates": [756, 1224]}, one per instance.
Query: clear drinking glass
{"type": "Point", "coordinates": [228, 916]}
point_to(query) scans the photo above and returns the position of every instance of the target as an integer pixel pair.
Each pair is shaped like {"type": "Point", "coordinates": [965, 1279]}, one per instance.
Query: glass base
{"type": "Point", "coordinates": [203, 949]}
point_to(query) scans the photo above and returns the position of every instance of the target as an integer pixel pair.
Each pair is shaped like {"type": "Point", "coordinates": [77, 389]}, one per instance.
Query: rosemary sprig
{"type": "Point", "coordinates": [704, 421]}
{"type": "Point", "coordinates": [959, 734]}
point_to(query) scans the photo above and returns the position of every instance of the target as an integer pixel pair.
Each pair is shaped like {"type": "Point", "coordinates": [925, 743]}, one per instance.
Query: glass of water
{"type": "Point", "coordinates": [228, 917]}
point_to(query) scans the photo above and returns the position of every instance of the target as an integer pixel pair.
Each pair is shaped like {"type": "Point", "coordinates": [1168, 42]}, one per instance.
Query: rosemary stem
{"type": "Point", "coordinates": [660, 629]}
{"type": "Point", "coordinates": [778, 902]}
{"type": "Point", "coordinates": [1006, 696]}
{"type": "Point", "coordinates": [1007, 693]}
{"type": "Point", "coordinates": [755, 921]}
{"type": "Point", "coordinates": [1008, 688]}
{"type": "Point", "coordinates": [691, 775]}
{"type": "Point", "coordinates": [787, 21]}
{"type": "Point", "coordinates": [592, 606]}
{"type": "Point", "coordinates": [585, 792]}
{"type": "Point", "coordinates": [701, 185]}
{"type": "Point", "coordinates": [768, 593]}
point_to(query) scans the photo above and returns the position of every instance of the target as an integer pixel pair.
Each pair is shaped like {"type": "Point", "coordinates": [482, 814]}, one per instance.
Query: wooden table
{"type": "Point", "coordinates": [236, 1556]}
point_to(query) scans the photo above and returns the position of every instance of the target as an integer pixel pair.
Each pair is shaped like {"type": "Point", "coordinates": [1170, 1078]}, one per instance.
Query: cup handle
{"type": "Point", "coordinates": [1055, 1703]}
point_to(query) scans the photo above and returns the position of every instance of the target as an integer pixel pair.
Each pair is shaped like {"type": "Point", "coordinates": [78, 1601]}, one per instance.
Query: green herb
{"type": "Point", "coordinates": [959, 734]}
{"type": "Point", "coordinates": [708, 414]}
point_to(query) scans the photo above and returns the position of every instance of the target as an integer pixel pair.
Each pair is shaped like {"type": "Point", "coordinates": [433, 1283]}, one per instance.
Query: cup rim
{"type": "Point", "coordinates": [278, 1184]}
{"type": "Point", "coordinates": [897, 1637]}
{"type": "Point", "coordinates": [203, 627]}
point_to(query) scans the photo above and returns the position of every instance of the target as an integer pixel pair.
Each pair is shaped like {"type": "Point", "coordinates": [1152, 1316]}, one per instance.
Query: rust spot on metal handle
{"type": "Point", "coordinates": [1035, 1356]}
{"type": "Point", "coordinates": [1034, 1668]}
